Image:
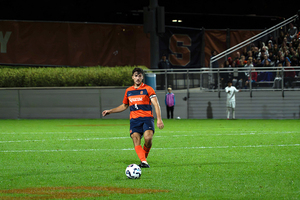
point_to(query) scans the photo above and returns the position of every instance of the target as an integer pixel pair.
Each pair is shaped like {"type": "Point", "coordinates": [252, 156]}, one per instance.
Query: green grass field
{"type": "Point", "coordinates": [190, 159]}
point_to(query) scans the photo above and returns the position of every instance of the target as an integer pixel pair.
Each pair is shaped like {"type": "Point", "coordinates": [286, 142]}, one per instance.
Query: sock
{"type": "Point", "coordinates": [140, 152]}
{"type": "Point", "coordinates": [147, 150]}
{"type": "Point", "coordinates": [233, 113]}
{"type": "Point", "coordinates": [228, 113]}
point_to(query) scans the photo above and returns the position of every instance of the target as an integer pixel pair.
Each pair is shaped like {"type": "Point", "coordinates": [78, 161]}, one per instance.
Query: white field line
{"type": "Point", "coordinates": [16, 141]}
{"type": "Point", "coordinates": [131, 149]}
{"type": "Point", "coordinates": [156, 136]}
{"type": "Point", "coordinates": [161, 132]}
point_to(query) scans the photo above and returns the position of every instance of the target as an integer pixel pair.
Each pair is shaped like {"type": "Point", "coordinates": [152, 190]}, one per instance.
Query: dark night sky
{"type": "Point", "coordinates": [209, 14]}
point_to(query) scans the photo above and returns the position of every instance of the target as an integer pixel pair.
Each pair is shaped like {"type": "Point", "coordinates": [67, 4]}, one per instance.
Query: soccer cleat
{"type": "Point", "coordinates": [144, 165]}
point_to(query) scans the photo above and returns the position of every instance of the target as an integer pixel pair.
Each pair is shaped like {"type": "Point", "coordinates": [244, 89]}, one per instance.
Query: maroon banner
{"type": "Point", "coordinates": [216, 40]}
{"type": "Point", "coordinates": [73, 44]}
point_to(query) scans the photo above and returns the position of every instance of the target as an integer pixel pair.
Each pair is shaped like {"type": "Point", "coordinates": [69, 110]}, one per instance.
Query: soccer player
{"type": "Point", "coordinates": [139, 99]}
{"type": "Point", "coordinates": [230, 104]}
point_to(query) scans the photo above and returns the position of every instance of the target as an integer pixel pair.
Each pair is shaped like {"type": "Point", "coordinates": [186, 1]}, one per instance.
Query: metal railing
{"type": "Point", "coordinates": [187, 79]}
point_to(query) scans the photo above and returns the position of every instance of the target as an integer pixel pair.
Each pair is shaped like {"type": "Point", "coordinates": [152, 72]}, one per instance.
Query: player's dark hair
{"type": "Point", "coordinates": [138, 70]}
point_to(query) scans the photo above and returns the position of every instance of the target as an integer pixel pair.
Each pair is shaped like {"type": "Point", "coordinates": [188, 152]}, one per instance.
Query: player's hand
{"type": "Point", "coordinates": [105, 112]}
{"type": "Point", "coordinates": [160, 124]}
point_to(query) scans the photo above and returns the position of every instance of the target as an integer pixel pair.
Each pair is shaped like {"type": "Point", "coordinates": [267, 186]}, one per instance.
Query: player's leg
{"type": "Point", "coordinates": [233, 113]}
{"type": "Point", "coordinates": [228, 112]}
{"type": "Point", "coordinates": [168, 112]}
{"type": "Point", "coordinates": [228, 106]}
{"type": "Point", "coordinates": [136, 138]}
{"type": "Point", "coordinates": [136, 133]}
{"type": "Point", "coordinates": [148, 136]}
{"type": "Point", "coordinates": [172, 112]}
{"type": "Point", "coordinates": [148, 128]}
{"type": "Point", "coordinates": [233, 110]}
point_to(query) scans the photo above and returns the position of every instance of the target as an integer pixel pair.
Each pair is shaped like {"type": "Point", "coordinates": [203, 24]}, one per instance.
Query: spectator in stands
{"type": "Point", "coordinates": [283, 46]}
{"type": "Point", "coordinates": [249, 54]}
{"type": "Point", "coordinates": [289, 74]}
{"type": "Point", "coordinates": [249, 63]}
{"type": "Point", "coordinates": [295, 43]}
{"type": "Point", "coordinates": [262, 53]}
{"type": "Point", "coordinates": [253, 78]}
{"type": "Point", "coordinates": [292, 53]}
{"type": "Point", "coordinates": [288, 38]}
{"type": "Point", "coordinates": [281, 38]}
{"type": "Point", "coordinates": [244, 53]}
{"type": "Point", "coordinates": [295, 62]}
{"type": "Point", "coordinates": [286, 60]}
{"type": "Point", "coordinates": [270, 46]}
{"type": "Point", "coordinates": [271, 58]}
{"type": "Point", "coordinates": [243, 76]}
{"type": "Point", "coordinates": [266, 76]}
{"type": "Point", "coordinates": [226, 64]}
{"type": "Point", "coordinates": [265, 49]}
{"type": "Point", "coordinates": [242, 61]}
{"type": "Point", "coordinates": [292, 31]}
{"type": "Point", "coordinates": [223, 76]}
{"type": "Point", "coordinates": [271, 38]}
{"type": "Point", "coordinates": [237, 58]}
{"type": "Point", "coordinates": [230, 60]}
{"type": "Point", "coordinates": [255, 53]}
{"type": "Point", "coordinates": [275, 49]}
{"type": "Point", "coordinates": [278, 78]}
{"type": "Point", "coordinates": [237, 76]}
{"type": "Point", "coordinates": [258, 63]}
{"type": "Point", "coordinates": [281, 60]}
{"type": "Point", "coordinates": [265, 58]}
{"type": "Point", "coordinates": [164, 63]}
{"type": "Point", "coordinates": [238, 55]}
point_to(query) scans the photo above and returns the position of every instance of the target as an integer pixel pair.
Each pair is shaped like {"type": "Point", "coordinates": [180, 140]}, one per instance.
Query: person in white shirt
{"type": "Point", "coordinates": [230, 104]}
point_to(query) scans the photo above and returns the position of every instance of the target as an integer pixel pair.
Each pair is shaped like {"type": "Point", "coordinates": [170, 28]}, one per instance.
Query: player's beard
{"type": "Point", "coordinates": [138, 83]}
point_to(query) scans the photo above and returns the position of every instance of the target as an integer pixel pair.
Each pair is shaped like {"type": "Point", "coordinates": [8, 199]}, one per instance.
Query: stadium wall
{"type": "Point", "coordinates": [62, 103]}
{"type": "Point", "coordinates": [67, 103]}
{"type": "Point", "coordinates": [37, 43]}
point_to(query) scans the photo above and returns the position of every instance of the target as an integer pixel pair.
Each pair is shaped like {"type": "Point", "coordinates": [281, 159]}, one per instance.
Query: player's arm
{"type": "Point", "coordinates": [120, 108]}
{"type": "Point", "coordinates": [155, 103]}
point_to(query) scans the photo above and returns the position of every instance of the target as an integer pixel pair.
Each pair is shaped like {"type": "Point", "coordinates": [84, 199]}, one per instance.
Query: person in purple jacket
{"type": "Point", "coordinates": [170, 103]}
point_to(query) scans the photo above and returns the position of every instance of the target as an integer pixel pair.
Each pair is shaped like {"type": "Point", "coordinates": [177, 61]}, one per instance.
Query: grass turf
{"type": "Point", "coordinates": [190, 159]}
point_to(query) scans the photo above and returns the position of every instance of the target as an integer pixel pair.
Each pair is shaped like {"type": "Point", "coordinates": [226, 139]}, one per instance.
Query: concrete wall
{"type": "Point", "coordinates": [89, 103]}
{"type": "Point", "coordinates": [262, 105]}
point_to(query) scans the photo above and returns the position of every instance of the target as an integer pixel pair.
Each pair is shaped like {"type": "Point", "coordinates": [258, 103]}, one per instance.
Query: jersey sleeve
{"type": "Point", "coordinates": [151, 92]}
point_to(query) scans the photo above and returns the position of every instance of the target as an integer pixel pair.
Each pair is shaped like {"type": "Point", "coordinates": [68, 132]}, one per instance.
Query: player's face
{"type": "Point", "coordinates": [229, 84]}
{"type": "Point", "coordinates": [137, 78]}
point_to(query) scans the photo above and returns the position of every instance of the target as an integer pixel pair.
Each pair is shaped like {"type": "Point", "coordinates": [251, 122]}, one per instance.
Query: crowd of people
{"type": "Point", "coordinates": [272, 54]}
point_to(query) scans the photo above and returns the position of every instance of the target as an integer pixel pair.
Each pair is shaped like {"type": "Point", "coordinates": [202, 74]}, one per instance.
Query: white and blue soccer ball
{"type": "Point", "coordinates": [133, 171]}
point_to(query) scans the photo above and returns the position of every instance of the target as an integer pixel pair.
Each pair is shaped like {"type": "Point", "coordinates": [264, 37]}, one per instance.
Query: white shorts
{"type": "Point", "coordinates": [230, 104]}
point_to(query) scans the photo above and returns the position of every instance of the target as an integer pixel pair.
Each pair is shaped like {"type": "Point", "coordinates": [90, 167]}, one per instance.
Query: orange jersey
{"type": "Point", "coordinates": [139, 101]}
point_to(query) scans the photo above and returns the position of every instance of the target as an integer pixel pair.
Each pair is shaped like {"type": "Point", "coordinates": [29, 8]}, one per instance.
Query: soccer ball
{"type": "Point", "coordinates": [133, 171]}
{"type": "Point", "coordinates": [178, 117]}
